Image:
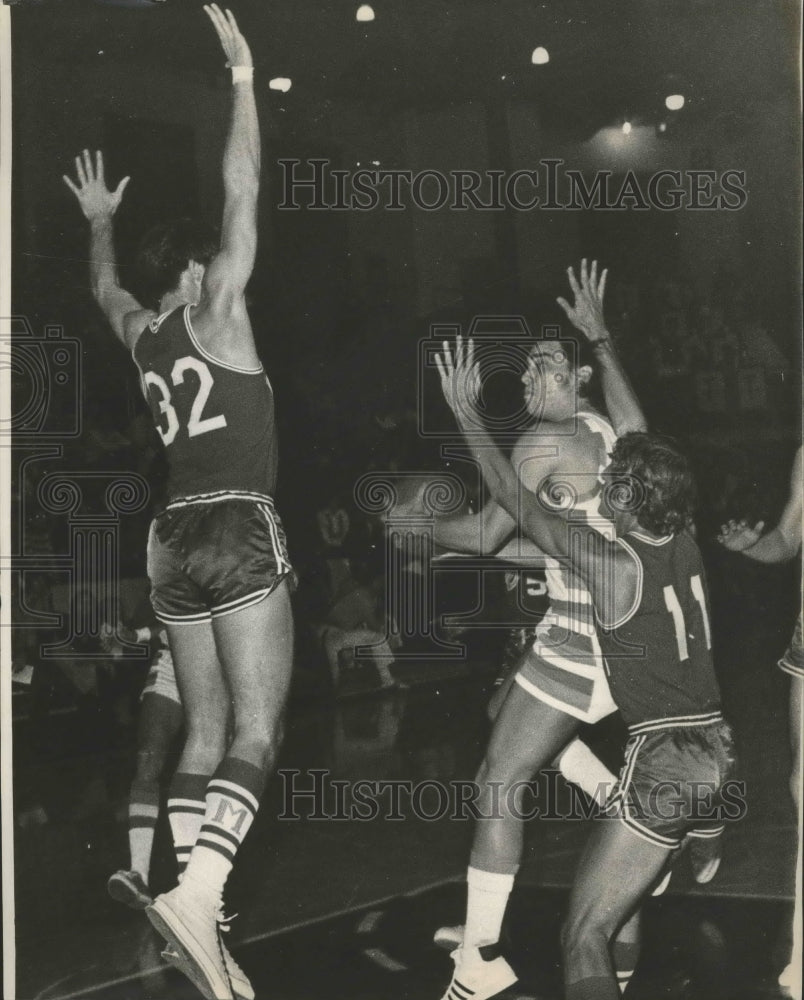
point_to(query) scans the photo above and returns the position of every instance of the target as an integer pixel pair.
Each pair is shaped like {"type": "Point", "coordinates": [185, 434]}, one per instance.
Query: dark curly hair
{"type": "Point", "coordinates": [166, 250]}
{"type": "Point", "coordinates": [650, 475]}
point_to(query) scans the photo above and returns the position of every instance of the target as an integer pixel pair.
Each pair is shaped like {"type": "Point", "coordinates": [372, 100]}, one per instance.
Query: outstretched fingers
{"type": "Point", "coordinates": [576, 288]}
{"type": "Point", "coordinates": [601, 288]}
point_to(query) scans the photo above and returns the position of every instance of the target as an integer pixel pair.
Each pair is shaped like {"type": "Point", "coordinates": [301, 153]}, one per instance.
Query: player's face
{"type": "Point", "coordinates": [548, 379]}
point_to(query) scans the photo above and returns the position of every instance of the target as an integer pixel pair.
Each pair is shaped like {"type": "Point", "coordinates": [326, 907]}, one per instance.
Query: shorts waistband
{"type": "Point", "coordinates": [206, 498]}
{"type": "Point", "coordinates": [675, 722]}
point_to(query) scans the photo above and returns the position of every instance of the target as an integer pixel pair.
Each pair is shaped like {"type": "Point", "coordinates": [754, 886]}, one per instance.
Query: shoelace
{"type": "Point", "coordinates": [225, 925]}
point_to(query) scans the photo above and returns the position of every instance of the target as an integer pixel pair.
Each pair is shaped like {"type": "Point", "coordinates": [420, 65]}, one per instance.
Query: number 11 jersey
{"type": "Point", "coordinates": [216, 420]}
{"type": "Point", "coordinates": [659, 656]}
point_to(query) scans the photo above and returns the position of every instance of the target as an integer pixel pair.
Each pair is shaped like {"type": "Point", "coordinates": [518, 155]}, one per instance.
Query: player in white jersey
{"type": "Point", "coordinates": [560, 682]}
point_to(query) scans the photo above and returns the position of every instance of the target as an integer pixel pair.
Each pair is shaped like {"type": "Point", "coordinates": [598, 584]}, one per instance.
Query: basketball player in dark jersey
{"type": "Point", "coordinates": [559, 681]}
{"type": "Point", "coordinates": [217, 559]}
{"type": "Point", "coordinates": [781, 544]}
{"type": "Point", "coordinates": [648, 592]}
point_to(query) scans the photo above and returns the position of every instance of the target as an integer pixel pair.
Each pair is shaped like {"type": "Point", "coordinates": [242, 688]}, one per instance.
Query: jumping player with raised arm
{"type": "Point", "coordinates": [782, 544]}
{"type": "Point", "coordinates": [648, 594]}
{"type": "Point", "coordinates": [217, 557]}
{"type": "Point", "coordinates": [559, 681]}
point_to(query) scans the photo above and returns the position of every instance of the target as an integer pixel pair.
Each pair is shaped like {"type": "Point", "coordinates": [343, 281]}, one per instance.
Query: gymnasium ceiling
{"type": "Point", "coordinates": [608, 58]}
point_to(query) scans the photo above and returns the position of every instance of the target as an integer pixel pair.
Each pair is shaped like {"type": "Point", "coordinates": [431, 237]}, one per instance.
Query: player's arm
{"type": "Point", "coordinates": [124, 313]}
{"type": "Point", "coordinates": [608, 569]}
{"type": "Point", "coordinates": [782, 542]}
{"type": "Point", "coordinates": [475, 534]}
{"type": "Point", "coordinates": [228, 273]}
{"type": "Point", "coordinates": [586, 315]}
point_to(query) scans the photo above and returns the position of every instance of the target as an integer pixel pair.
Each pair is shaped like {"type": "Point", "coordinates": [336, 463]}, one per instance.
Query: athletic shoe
{"type": "Point", "coordinates": [241, 987]}
{"type": "Point", "coordinates": [705, 854]}
{"type": "Point", "coordinates": [449, 938]}
{"type": "Point", "coordinates": [480, 973]}
{"type": "Point", "coordinates": [129, 888]}
{"type": "Point", "coordinates": [188, 921]}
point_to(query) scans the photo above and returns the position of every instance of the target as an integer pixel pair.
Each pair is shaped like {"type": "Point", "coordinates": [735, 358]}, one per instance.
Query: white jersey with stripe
{"type": "Point", "coordinates": [570, 603]}
{"type": "Point", "coordinates": [565, 668]}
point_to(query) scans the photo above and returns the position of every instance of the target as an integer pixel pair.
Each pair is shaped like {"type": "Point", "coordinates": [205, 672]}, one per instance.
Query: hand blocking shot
{"type": "Point", "coordinates": [217, 557]}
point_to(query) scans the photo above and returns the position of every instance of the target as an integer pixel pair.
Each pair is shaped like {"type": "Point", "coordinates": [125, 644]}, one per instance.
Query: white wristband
{"type": "Point", "coordinates": [242, 74]}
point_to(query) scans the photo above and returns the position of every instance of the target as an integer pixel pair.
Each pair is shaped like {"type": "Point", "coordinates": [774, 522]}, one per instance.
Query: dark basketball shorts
{"type": "Point", "coordinates": [211, 558]}
{"type": "Point", "coordinates": [793, 660]}
{"type": "Point", "coordinates": [672, 782]}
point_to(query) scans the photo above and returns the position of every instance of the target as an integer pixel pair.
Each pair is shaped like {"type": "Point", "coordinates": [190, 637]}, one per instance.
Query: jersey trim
{"type": "Point", "coordinates": [217, 497]}
{"type": "Point", "coordinates": [211, 357]}
{"type": "Point", "coordinates": [157, 321]}
{"type": "Point", "coordinates": [675, 722]}
{"type": "Point", "coordinates": [637, 596]}
{"type": "Point", "coordinates": [651, 541]}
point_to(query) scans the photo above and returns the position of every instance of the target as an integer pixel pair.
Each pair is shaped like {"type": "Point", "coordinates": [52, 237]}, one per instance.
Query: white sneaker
{"type": "Point", "coordinates": [449, 938]}
{"type": "Point", "coordinates": [189, 923]}
{"type": "Point", "coordinates": [241, 985]}
{"type": "Point", "coordinates": [480, 973]}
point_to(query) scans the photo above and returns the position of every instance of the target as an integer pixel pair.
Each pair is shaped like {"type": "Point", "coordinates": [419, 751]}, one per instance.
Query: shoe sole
{"type": "Point", "coordinates": [161, 916]}
{"type": "Point", "coordinates": [172, 958]}
{"type": "Point", "coordinates": [122, 891]}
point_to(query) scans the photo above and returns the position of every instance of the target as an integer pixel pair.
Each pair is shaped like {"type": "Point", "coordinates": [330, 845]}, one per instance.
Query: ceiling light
{"type": "Point", "coordinates": [674, 102]}
{"type": "Point", "coordinates": [280, 83]}
{"type": "Point", "coordinates": [364, 13]}
{"type": "Point", "coordinates": [540, 56]}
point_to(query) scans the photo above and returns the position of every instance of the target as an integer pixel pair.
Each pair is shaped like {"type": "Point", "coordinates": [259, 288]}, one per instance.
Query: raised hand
{"type": "Point", "coordinates": [95, 199]}
{"type": "Point", "coordinates": [234, 45]}
{"type": "Point", "coordinates": [736, 537]}
{"type": "Point", "coordinates": [586, 314]}
{"type": "Point", "coordinates": [460, 381]}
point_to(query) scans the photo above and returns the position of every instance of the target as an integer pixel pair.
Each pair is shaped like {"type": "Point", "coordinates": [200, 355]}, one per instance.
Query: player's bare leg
{"type": "Point", "coordinates": [188, 920]}
{"type": "Point", "coordinates": [615, 872]}
{"type": "Point", "coordinates": [255, 650]}
{"type": "Point", "coordinates": [527, 735]}
{"type": "Point", "coordinates": [159, 723]}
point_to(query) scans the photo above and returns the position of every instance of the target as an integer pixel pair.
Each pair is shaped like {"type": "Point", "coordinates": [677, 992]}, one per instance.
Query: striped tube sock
{"type": "Point", "coordinates": [232, 800]}
{"type": "Point", "coordinates": [487, 898]}
{"type": "Point", "coordinates": [186, 808]}
{"type": "Point", "coordinates": [143, 811]}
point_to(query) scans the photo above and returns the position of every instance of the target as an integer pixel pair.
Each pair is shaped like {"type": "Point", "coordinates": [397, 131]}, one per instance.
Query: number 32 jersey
{"type": "Point", "coordinates": [215, 420]}
{"type": "Point", "coordinates": [659, 657]}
